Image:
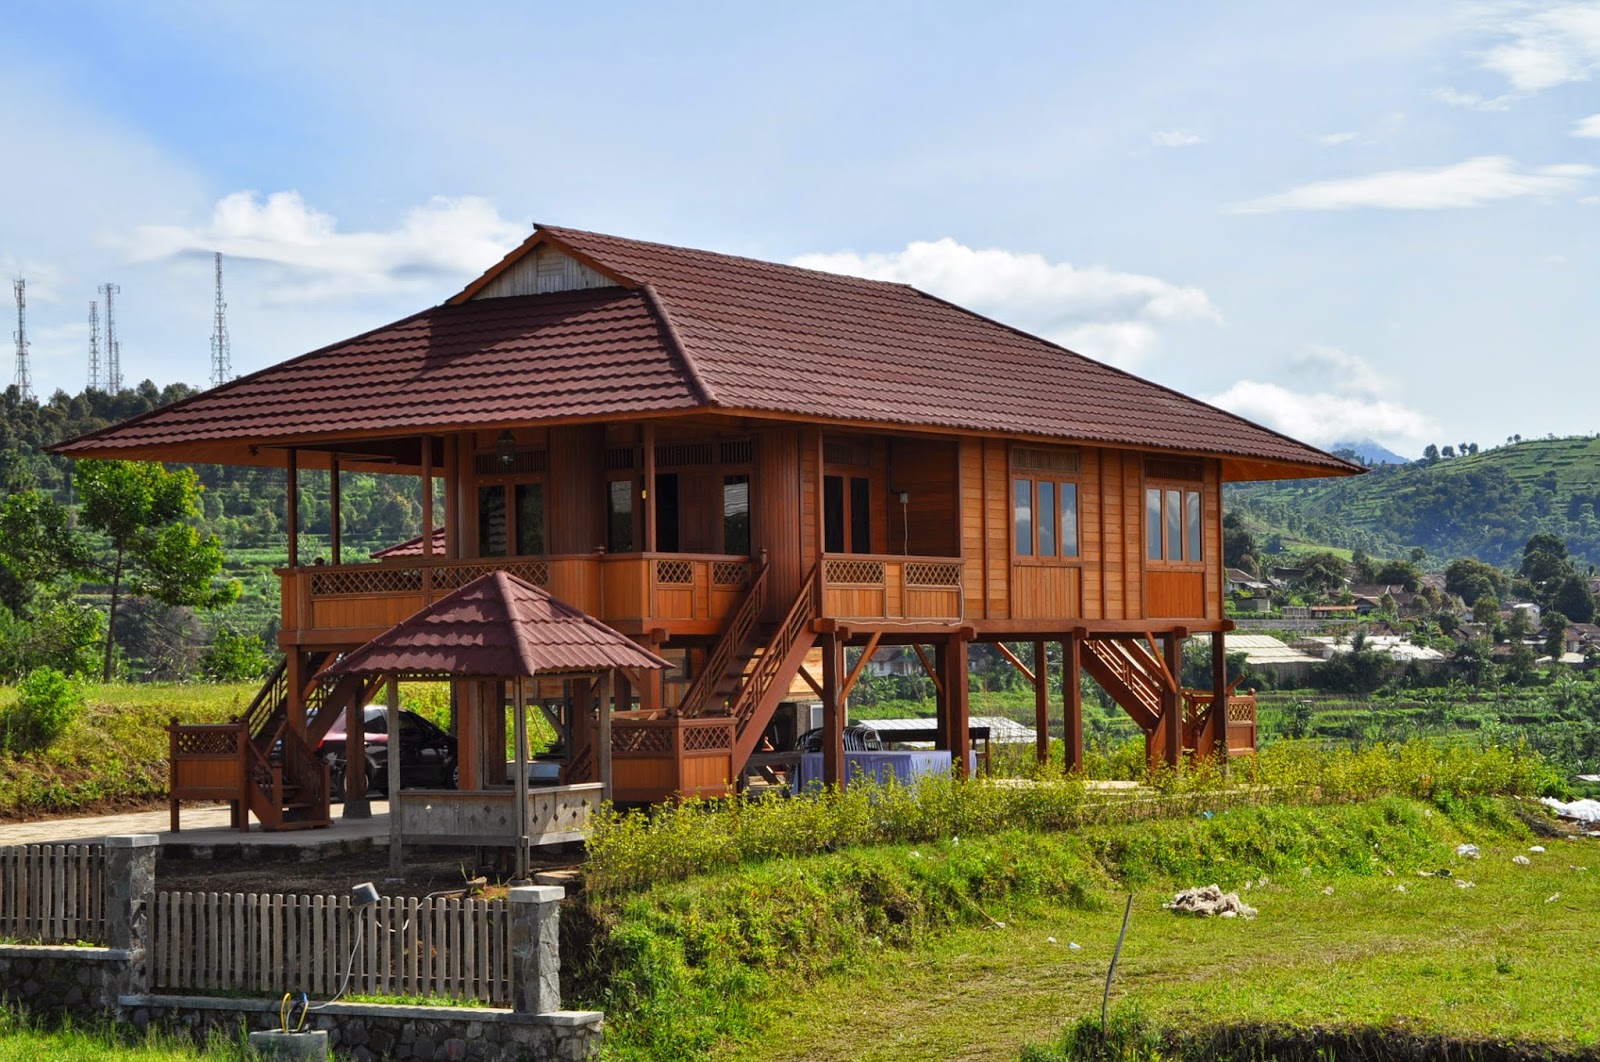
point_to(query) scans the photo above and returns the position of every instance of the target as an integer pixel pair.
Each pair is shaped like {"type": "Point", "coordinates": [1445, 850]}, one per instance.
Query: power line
{"type": "Point", "coordinates": [221, 349]}
{"type": "Point", "coordinates": [113, 345]}
{"type": "Point", "coordinates": [24, 379]}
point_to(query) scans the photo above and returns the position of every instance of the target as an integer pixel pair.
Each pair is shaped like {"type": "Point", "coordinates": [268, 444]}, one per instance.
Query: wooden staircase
{"type": "Point", "coordinates": [261, 764]}
{"type": "Point", "coordinates": [1136, 678]}
{"type": "Point", "coordinates": [747, 674]}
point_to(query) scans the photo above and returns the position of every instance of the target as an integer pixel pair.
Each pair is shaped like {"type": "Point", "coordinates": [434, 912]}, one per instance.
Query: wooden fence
{"type": "Point", "coordinates": [402, 946]}
{"type": "Point", "coordinates": [53, 894]}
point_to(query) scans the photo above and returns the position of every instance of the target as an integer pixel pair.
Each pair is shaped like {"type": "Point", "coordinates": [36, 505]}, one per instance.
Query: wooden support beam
{"type": "Point", "coordinates": [1214, 736]}
{"type": "Point", "coordinates": [1072, 701]}
{"type": "Point", "coordinates": [811, 680]}
{"type": "Point", "coordinates": [602, 752]}
{"type": "Point", "coordinates": [1031, 674]}
{"type": "Point", "coordinates": [861, 664]}
{"type": "Point", "coordinates": [1172, 701]}
{"type": "Point", "coordinates": [928, 666]}
{"type": "Point", "coordinates": [1041, 699]}
{"type": "Point", "coordinates": [427, 496]}
{"type": "Point", "coordinates": [292, 517]}
{"type": "Point", "coordinates": [833, 721]}
{"type": "Point", "coordinates": [647, 492]}
{"type": "Point", "coordinates": [334, 521]}
{"type": "Point", "coordinates": [957, 714]}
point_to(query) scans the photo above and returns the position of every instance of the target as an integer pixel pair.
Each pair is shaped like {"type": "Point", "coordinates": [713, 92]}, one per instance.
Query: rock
{"type": "Point", "coordinates": [1521, 860]}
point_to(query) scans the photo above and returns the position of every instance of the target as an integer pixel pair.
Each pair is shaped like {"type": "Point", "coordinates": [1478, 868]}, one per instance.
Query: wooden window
{"type": "Point", "coordinates": [1045, 517]}
{"type": "Point", "coordinates": [847, 514]}
{"type": "Point", "coordinates": [619, 515]}
{"type": "Point", "coordinates": [511, 515]}
{"type": "Point", "coordinates": [493, 525]}
{"type": "Point", "coordinates": [736, 514]}
{"type": "Point", "coordinates": [1173, 518]}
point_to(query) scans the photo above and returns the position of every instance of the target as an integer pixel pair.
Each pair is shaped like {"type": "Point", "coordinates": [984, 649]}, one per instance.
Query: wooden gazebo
{"type": "Point", "coordinates": [494, 631]}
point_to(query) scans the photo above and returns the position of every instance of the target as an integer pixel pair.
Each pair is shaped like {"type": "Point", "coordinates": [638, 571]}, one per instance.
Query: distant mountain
{"type": "Point", "coordinates": [1368, 452]}
{"type": "Point", "coordinates": [1484, 505]}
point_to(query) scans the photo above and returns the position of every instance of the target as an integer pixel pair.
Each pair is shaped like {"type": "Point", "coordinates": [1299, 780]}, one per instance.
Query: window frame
{"type": "Point", "coordinates": [509, 482]}
{"type": "Point", "coordinates": [1187, 491]}
{"type": "Point", "coordinates": [1056, 480]}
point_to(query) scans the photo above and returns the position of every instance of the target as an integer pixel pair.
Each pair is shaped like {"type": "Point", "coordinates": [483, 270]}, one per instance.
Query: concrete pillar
{"type": "Point", "coordinates": [535, 948]}
{"type": "Point", "coordinates": [130, 897]}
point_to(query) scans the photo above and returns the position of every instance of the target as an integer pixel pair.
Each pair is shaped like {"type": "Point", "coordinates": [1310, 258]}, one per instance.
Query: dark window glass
{"type": "Point", "coordinates": [1047, 518]}
{"type": "Point", "coordinates": [667, 512]}
{"type": "Point", "coordinates": [1152, 524]}
{"type": "Point", "coordinates": [736, 514]}
{"type": "Point", "coordinates": [833, 514]}
{"type": "Point", "coordinates": [530, 519]}
{"type": "Point", "coordinates": [1192, 524]}
{"type": "Point", "coordinates": [1069, 519]}
{"type": "Point", "coordinates": [860, 514]}
{"type": "Point", "coordinates": [1023, 516]}
{"type": "Point", "coordinates": [492, 521]}
{"type": "Point", "coordinates": [619, 510]}
{"type": "Point", "coordinates": [1175, 525]}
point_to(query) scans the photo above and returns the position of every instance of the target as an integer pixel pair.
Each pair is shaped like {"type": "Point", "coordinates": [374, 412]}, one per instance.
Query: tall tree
{"type": "Point", "coordinates": [145, 514]}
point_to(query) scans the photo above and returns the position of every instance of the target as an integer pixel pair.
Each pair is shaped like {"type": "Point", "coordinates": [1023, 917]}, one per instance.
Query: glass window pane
{"type": "Point", "coordinates": [1024, 517]}
{"type": "Point", "coordinates": [619, 507]}
{"type": "Point", "coordinates": [666, 512]}
{"type": "Point", "coordinates": [860, 514]}
{"type": "Point", "coordinates": [1152, 524]}
{"type": "Point", "coordinates": [1069, 519]}
{"type": "Point", "coordinates": [530, 519]}
{"type": "Point", "coordinates": [1192, 519]}
{"type": "Point", "coordinates": [833, 514]}
{"type": "Point", "coordinates": [492, 521]}
{"type": "Point", "coordinates": [1175, 525]}
{"type": "Point", "coordinates": [736, 514]}
{"type": "Point", "coordinates": [1047, 518]}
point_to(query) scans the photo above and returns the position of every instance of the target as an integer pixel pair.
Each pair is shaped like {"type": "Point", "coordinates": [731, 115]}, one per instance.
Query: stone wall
{"type": "Point", "coordinates": [54, 980]}
{"type": "Point", "coordinates": [366, 1031]}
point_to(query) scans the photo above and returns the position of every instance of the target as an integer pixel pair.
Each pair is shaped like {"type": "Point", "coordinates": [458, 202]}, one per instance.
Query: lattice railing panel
{"type": "Point", "coordinates": [707, 738]}
{"type": "Point", "coordinates": [675, 572]}
{"type": "Point", "coordinates": [853, 572]}
{"type": "Point", "coordinates": [639, 739]}
{"type": "Point", "coordinates": [938, 575]}
{"type": "Point", "coordinates": [730, 573]}
{"type": "Point", "coordinates": [198, 740]}
{"type": "Point", "coordinates": [377, 579]}
{"type": "Point", "coordinates": [1242, 711]}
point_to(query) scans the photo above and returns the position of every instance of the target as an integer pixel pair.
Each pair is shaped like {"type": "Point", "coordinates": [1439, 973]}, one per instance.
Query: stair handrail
{"type": "Point", "coordinates": [259, 776]}
{"type": "Point", "coordinates": [305, 771]}
{"type": "Point", "coordinates": [697, 698]}
{"type": "Point", "coordinates": [271, 694]}
{"type": "Point", "coordinates": [754, 689]}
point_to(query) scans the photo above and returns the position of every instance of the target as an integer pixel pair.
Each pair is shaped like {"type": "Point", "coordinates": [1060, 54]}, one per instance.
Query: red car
{"type": "Point", "coordinates": [427, 753]}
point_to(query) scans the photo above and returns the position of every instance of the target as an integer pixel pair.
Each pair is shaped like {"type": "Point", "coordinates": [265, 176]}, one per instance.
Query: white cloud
{"type": "Point", "coordinates": [1333, 369]}
{"type": "Point", "coordinates": [1106, 314]}
{"type": "Point", "coordinates": [1472, 183]}
{"type": "Point", "coordinates": [1335, 139]}
{"type": "Point", "coordinates": [1176, 138]}
{"type": "Point", "coordinates": [1323, 418]}
{"type": "Point", "coordinates": [1542, 45]}
{"type": "Point", "coordinates": [444, 239]}
{"type": "Point", "coordinates": [1587, 127]}
{"type": "Point", "coordinates": [1474, 102]}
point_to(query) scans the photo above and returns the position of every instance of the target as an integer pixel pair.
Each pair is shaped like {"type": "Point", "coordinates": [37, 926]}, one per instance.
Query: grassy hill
{"type": "Point", "coordinates": [1483, 505]}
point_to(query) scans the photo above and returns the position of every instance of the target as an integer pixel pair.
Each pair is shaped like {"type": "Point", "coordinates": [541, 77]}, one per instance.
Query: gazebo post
{"type": "Point", "coordinates": [392, 759]}
{"type": "Point", "coordinates": [357, 804]}
{"type": "Point", "coordinates": [602, 754]}
{"type": "Point", "coordinates": [521, 701]}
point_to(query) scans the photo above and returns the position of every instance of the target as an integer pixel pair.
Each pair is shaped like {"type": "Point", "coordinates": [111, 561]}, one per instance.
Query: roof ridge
{"type": "Point", "coordinates": [675, 340]}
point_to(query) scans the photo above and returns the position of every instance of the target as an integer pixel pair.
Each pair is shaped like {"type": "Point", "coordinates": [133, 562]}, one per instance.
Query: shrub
{"type": "Point", "coordinates": [235, 657]}
{"type": "Point", "coordinates": [47, 704]}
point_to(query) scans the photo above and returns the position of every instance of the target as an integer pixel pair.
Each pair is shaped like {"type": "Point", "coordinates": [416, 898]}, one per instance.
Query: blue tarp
{"type": "Point", "coordinates": [902, 766]}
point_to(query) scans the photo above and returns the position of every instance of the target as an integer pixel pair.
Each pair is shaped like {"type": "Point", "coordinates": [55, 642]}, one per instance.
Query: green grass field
{"type": "Point", "coordinates": [21, 1041]}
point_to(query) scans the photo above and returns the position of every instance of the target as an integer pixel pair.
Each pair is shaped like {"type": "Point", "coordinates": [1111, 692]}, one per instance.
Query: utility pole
{"type": "Point", "coordinates": [221, 349]}
{"type": "Point", "coordinates": [24, 379]}
{"type": "Point", "coordinates": [94, 346]}
{"type": "Point", "coordinates": [113, 346]}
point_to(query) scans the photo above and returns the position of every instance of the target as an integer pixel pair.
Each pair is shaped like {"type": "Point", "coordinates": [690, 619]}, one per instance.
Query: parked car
{"type": "Point", "coordinates": [427, 753]}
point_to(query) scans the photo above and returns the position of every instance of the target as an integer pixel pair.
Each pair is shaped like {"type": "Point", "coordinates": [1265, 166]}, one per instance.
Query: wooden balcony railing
{"type": "Point", "coordinates": [866, 586]}
{"type": "Point", "coordinates": [656, 758]}
{"type": "Point", "coordinates": [350, 603]}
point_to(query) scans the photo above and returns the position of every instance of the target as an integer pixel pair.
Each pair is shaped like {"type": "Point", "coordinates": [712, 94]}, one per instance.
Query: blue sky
{"type": "Point", "coordinates": [1354, 220]}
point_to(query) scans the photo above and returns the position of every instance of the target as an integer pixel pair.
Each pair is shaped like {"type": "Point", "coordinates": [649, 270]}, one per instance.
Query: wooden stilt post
{"type": "Point", "coordinates": [1072, 701]}
{"type": "Point", "coordinates": [832, 711]}
{"type": "Point", "coordinates": [1216, 731]}
{"type": "Point", "coordinates": [959, 739]}
{"type": "Point", "coordinates": [356, 804]}
{"type": "Point", "coordinates": [427, 496]}
{"type": "Point", "coordinates": [1172, 700]}
{"type": "Point", "coordinates": [521, 702]}
{"type": "Point", "coordinates": [334, 522]}
{"type": "Point", "coordinates": [941, 697]}
{"type": "Point", "coordinates": [1041, 701]}
{"type": "Point", "coordinates": [602, 752]}
{"type": "Point", "coordinates": [392, 758]}
{"type": "Point", "coordinates": [292, 517]}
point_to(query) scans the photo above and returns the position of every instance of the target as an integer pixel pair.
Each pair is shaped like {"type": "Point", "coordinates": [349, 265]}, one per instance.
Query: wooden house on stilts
{"type": "Point", "coordinates": [736, 463]}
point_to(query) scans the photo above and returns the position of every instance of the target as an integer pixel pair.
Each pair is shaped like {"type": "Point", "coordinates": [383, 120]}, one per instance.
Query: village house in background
{"type": "Point", "coordinates": [734, 464]}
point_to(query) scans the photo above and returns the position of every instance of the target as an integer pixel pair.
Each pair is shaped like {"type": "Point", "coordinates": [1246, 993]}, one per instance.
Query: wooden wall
{"type": "Point", "coordinates": [925, 470]}
{"type": "Point", "coordinates": [542, 270]}
{"type": "Point", "coordinates": [575, 490]}
{"type": "Point", "coordinates": [779, 520]}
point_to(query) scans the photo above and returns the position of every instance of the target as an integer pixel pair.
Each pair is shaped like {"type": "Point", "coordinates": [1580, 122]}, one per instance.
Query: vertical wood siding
{"type": "Point", "coordinates": [544, 270]}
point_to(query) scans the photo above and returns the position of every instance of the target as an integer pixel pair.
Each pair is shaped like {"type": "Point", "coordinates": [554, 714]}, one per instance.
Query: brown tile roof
{"type": "Point", "coordinates": [497, 626]}
{"type": "Point", "coordinates": [412, 547]}
{"type": "Point", "coordinates": [698, 329]}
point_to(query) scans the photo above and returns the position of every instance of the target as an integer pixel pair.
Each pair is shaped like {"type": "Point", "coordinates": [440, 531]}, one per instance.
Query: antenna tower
{"type": "Point", "coordinates": [24, 380]}
{"type": "Point", "coordinates": [94, 346]}
{"type": "Point", "coordinates": [113, 346]}
{"type": "Point", "coordinates": [221, 349]}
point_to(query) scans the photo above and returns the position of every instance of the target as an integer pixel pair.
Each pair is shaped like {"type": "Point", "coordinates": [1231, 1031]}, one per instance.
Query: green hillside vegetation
{"type": "Point", "coordinates": [1484, 504]}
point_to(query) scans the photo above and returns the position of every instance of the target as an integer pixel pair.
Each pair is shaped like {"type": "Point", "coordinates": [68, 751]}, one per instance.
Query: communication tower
{"type": "Point", "coordinates": [221, 349]}
{"type": "Point", "coordinates": [24, 380]}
